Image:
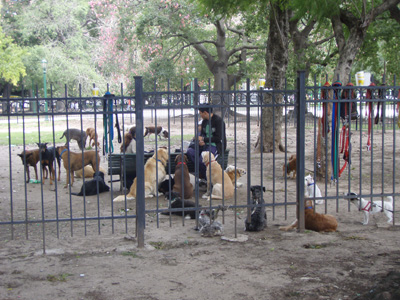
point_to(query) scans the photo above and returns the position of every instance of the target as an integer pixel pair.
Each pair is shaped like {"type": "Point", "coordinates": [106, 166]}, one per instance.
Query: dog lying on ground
{"type": "Point", "coordinates": [231, 170]}
{"type": "Point", "coordinates": [89, 172]}
{"type": "Point", "coordinates": [73, 161]}
{"type": "Point", "coordinates": [258, 215]}
{"type": "Point", "coordinates": [309, 187]}
{"type": "Point", "coordinates": [290, 167]}
{"type": "Point", "coordinates": [89, 188]}
{"type": "Point", "coordinates": [129, 144]}
{"type": "Point", "coordinates": [176, 202]}
{"type": "Point", "coordinates": [92, 134]}
{"type": "Point", "coordinates": [367, 207]}
{"type": "Point", "coordinates": [48, 156]}
{"type": "Point", "coordinates": [159, 132]}
{"type": "Point", "coordinates": [314, 221]}
{"type": "Point", "coordinates": [31, 158]}
{"type": "Point", "coordinates": [182, 174]}
{"type": "Point", "coordinates": [75, 134]}
{"type": "Point", "coordinates": [216, 179]}
{"type": "Point", "coordinates": [153, 169]}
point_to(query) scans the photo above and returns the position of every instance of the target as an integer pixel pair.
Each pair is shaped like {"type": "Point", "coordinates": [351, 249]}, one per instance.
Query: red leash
{"type": "Point", "coordinates": [370, 105]}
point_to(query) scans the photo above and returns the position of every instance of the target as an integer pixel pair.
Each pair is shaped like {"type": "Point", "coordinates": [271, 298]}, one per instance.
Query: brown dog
{"type": "Point", "coordinates": [232, 170]}
{"type": "Point", "coordinates": [129, 145]}
{"type": "Point", "coordinates": [291, 166]}
{"type": "Point", "coordinates": [160, 131]}
{"type": "Point", "coordinates": [89, 172]}
{"type": "Point", "coordinates": [182, 171]}
{"type": "Point", "coordinates": [31, 157]}
{"type": "Point", "coordinates": [315, 221]}
{"type": "Point", "coordinates": [92, 134]}
{"type": "Point", "coordinates": [75, 163]}
{"type": "Point", "coordinates": [153, 169]}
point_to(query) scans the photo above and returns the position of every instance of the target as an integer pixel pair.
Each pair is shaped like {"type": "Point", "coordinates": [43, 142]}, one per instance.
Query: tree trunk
{"type": "Point", "coordinates": [269, 137]}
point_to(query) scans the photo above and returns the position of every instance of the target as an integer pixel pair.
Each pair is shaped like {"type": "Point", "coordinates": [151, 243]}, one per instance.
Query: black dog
{"type": "Point", "coordinates": [48, 155]}
{"type": "Point", "coordinates": [258, 215]}
{"type": "Point", "coordinates": [166, 186]}
{"type": "Point", "coordinates": [176, 202]}
{"type": "Point", "coordinates": [90, 187]}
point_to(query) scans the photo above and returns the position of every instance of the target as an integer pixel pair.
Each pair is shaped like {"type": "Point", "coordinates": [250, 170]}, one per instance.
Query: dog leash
{"type": "Point", "coordinates": [370, 106]}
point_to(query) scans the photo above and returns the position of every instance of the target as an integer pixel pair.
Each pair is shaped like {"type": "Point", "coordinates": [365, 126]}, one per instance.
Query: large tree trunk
{"type": "Point", "coordinates": [269, 137]}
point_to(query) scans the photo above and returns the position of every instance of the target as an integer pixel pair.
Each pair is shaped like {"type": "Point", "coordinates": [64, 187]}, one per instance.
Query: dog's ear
{"type": "Point", "coordinates": [263, 188]}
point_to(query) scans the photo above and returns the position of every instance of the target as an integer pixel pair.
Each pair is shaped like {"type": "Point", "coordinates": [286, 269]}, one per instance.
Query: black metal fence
{"type": "Point", "coordinates": [363, 149]}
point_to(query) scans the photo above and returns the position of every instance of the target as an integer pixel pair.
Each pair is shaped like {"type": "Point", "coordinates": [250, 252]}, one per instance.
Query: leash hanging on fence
{"type": "Point", "coordinates": [335, 129]}
{"type": "Point", "coordinates": [369, 95]}
{"type": "Point", "coordinates": [117, 123]}
{"type": "Point", "coordinates": [380, 103]}
{"type": "Point", "coordinates": [325, 107]}
{"type": "Point", "coordinates": [108, 122]}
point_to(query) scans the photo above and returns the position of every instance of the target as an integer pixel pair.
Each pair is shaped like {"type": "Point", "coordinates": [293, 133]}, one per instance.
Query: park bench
{"type": "Point", "coordinates": [117, 162]}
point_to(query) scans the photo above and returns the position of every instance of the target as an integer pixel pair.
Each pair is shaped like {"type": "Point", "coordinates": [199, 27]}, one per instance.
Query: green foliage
{"type": "Point", "coordinates": [11, 65]}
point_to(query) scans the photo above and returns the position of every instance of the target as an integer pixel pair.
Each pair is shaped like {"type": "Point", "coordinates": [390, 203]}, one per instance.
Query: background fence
{"type": "Point", "coordinates": [29, 209]}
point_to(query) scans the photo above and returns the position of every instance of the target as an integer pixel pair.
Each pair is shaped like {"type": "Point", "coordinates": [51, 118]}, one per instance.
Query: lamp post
{"type": "Point", "coordinates": [44, 65]}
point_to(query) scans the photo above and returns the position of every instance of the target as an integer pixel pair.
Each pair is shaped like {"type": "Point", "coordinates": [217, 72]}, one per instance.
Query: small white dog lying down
{"type": "Point", "coordinates": [369, 207]}
{"type": "Point", "coordinates": [309, 187]}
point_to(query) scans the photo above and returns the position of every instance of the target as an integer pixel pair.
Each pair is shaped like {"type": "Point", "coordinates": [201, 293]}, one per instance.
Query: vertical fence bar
{"type": "Point", "coordinates": [140, 205]}
{"type": "Point", "coordinates": [301, 105]}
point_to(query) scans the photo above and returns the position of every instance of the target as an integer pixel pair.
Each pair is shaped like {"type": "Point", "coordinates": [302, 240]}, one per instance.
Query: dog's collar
{"type": "Point", "coordinates": [179, 163]}
{"type": "Point", "coordinates": [308, 207]}
{"type": "Point", "coordinates": [158, 160]}
{"type": "Point", "coordinates": [310, 184]}
{"type": "Point", "coordinates": [62, 152]}
{"type": "Point", "coordinates": [210, 162]}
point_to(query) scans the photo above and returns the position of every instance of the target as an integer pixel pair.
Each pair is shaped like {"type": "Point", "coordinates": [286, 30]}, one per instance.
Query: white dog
{"type": "Point", "coordinates": [369, 207]}
{"type": "Point", "coordinates": [309, 187]}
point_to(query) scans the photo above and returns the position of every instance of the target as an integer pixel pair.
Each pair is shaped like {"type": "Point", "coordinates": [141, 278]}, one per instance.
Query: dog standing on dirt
{"type": "Point", "coordinates": [31, 158]}
{"type": "Point", "coordinates": [258, 215]}
{"type": "Point", "coordinates": [216, 179]}
{"type": "Point", "coordinates": [89, 188]}
{"type": "Point", "coordinates": [371, 208]}
{"type": "Point", "coordinates": [73, 161]}
{"type": "Point", "coordinates": [153, 169]}
{"type": "Point", "coordinates": [231, 170]}
{"type": "Point", "coordinates": [309, 187]}
{"type": "Point", "coordinates": [160, 131]}
{"type": "Point", "coordinates": [92, 134]}
{"type": "Point", "coordinates": [75, 134]}
{"type": "Point", "coordinates": [290, 167]}
{"type": "Point", "coordinates": [48, 156]}
{"type": "Point", "coordinates": [314, 221]}
{"type": "Point", "coordinates": [182, 174]}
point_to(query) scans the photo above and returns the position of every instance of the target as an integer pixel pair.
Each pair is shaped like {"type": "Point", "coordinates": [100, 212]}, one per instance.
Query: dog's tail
{"type": "Point", "coordinates": [63, 135]}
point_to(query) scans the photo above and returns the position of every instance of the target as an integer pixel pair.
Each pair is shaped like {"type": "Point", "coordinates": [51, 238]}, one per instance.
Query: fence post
{"type": "Point", "coordinates": [300, 148]}
{"type": "Point", "coordinates": [140, 205]}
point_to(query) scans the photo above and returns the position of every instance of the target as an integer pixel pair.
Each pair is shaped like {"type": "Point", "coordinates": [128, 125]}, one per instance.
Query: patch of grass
{"type": "Point", "coordinates": [130, 254]}
{"type": "Point", "coordinates": [314, 246]}
{"type": "Point", "coordinates": [157, 245]}
{"type": "Point", "coordinates": [17, 138]}
{"type": "Point", "coordinates": [62, 277]}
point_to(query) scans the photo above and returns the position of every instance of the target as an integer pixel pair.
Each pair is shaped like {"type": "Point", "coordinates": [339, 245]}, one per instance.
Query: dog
{"type": "Point", "coordinates": [73, 161]}
{"type": "Point", "coordinates": [182, 177]}
{"type": "Point", "coordinates": [309, 187]}
{"type": "Point", "coordinates": [290, 167]}
{"type": "Point", "coordinates": [258, 215]}
{"type": "Point", "coordinates": [129, 145]}
{"type": "Point", "coordinates": [216, 179]}
{"type": "Point", "coordinates": [92, 134]}
{"type": "Point", "coordinates": [231, 170]}
{"type": "Point", "coordinates": [160, 132]}
{"type": "Point", "coordinates": [208, 224]}
{"type": "Point", "coordinates": [176, 202]}
{"type": "Point", "coordinates": [89, 172]}
{"type": "Point", "coordinates": [48, 156]}
{"type": "Point", "coordinates": [75, 134]}
{"type": "Point", "coordinates": [155, 166]}
{"type": "Point", "coordinates": [314, 221]}
{"type": "Point", "coordinates": [166, 185]}
{"type": "Point", "coordinates": [372, 208]}
{"type": "Point", "coordinates": [132, 131]}
{"type": "Point", "coordinates": [30, 158]}
{"type": "Point", "coordinates": [89, 188]}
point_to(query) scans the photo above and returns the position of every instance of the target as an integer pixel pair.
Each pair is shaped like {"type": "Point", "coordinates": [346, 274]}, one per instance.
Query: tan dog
{"type": "Point", "coordinates": [89, 172]}
{"type": "Point", "coordinates": [216, 179]}
{"type": "Point", "coordinates": [181, 170]}
{"type": "Point", "coordinates": [92, 134]}
{"type": "Point", "coordinates": [75, 162]}
{"type": "Point", "coordinates": [155, 166]}
{"type": "Point", "coordinates": [314, 221]}
{"type": "Point", "coordinates": [231, 170]}
{"type": "Point", "coordinates": [291, 167]}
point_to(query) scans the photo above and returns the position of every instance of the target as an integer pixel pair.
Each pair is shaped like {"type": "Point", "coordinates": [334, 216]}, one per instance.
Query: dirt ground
{"type": "Point", "coordinates": [99, 259]}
